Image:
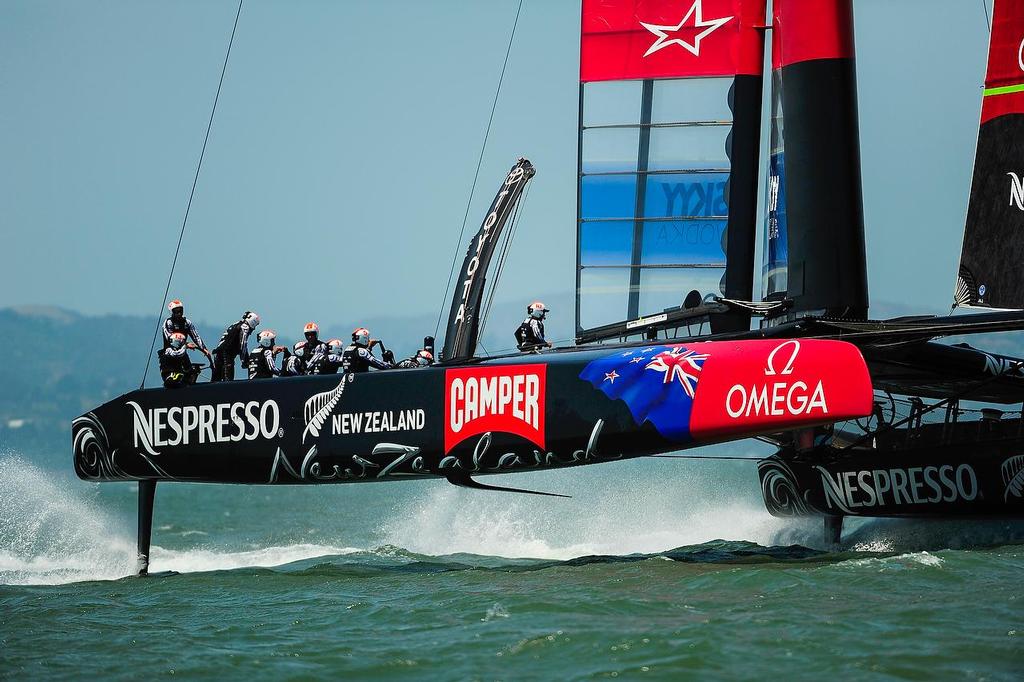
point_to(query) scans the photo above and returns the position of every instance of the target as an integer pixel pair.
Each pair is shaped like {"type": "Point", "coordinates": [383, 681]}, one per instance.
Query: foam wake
{"type": "Point", "coordinates": [650, 507]}
{"type": "Point", "coordinates": [51, 532]}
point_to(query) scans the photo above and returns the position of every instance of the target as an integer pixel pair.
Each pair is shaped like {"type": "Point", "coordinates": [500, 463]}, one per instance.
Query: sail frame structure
{"type": "Point", "coordinates": [667, 180]}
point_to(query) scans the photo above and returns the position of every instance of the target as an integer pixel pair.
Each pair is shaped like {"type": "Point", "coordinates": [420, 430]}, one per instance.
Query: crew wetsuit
{"type": "Point", "coordinates": [293, 365]}
{"type": "Point", "coordinates": [330, 364]}
{"type": "Point", "coordinates": [409, 363]}
{"type": "Point", "coordinates": [359, 359]}
{"type": "Point", "coordinates": [182, 325]}
{"type": "Point", "coordinates": [530, 334]}
{"type": "Point", "coordinates": [234, 343]}
{"type": "Point", "coordinates": [261, 364]}
{"type": "Point", "coordinates": [316, 352]}
{"type": "Point", "coordinates": [176, 368]}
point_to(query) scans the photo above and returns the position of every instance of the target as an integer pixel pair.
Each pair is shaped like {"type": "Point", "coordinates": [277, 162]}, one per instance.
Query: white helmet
{"type": "Point", "coordinates": [424, 358]}
{"type": "Point", "coordinates": [177, 340]}
{"type": "Point", "coordinates": [267, 338]}
{"type": "Point", "coordinates": [252, 319]}
{"type": "Point", "coordinates": [335, 346]}
{"type": "Point", "coordinates": [361, 337]}
{"type": "Point", "coordinates": [537, 310]}
{"type": "Point", "coordinates": [299, 348]}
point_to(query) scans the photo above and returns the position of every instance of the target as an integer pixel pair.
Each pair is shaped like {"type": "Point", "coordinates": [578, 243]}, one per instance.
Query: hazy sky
{"type": "Point", "coordinates": [345, 142]}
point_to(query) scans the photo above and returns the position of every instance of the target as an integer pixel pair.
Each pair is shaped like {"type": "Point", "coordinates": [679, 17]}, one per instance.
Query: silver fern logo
{"type": "Point", "coordinates": [1013, 477]}
{"type": "Point", "coordinates": [1016, 191]}
{"type": "Point", "coordinates": [319, 407]}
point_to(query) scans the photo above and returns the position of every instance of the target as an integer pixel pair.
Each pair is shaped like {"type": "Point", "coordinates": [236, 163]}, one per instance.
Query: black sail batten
{"type": "Point", "coordinates": [741, 196]}
{"type": "Point", "coordinates": [823, 217]}
{"type": "Point", "coordinates": [992, 258]}
{"type": "Point", "coordinates": [461, 334]}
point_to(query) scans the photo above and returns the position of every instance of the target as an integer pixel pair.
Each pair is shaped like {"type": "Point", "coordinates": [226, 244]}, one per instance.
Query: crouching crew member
{"type": "Point", "coordinates": [357, 356]}
{"type": "Point", "coordinates": [176, 368]}
{"type": "Point", "coordinates": [333, 360]}
{"type": "Point", "coordinates": [530, 334]}
{"type": "Point", "coordinates": [234, 343]}
{"type": "Point", "coordinates": [294, 364]}
{"type": "Point", "coordinates": [316, 350]}
{"type": "Point", "coordinates": [423, 358]}
{"type": "Point", "coordinates": [261, 359]}
{"type": "Point", "coordinates": [178, 323]}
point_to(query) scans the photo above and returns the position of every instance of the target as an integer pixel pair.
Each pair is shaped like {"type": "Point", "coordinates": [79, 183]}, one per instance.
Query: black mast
{"type": "Point", "coordinates": [813, 56]}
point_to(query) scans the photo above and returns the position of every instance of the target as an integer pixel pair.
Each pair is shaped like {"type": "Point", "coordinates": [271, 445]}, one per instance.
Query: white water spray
{"type": "Point", "coordinates": [51, 532]}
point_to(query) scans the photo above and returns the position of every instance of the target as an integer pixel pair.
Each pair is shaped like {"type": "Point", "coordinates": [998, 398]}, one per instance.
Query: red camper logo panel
{"type": "Point", "coordinates": [503, 399]}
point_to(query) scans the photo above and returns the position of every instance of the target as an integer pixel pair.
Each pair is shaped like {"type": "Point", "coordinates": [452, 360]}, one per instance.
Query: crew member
{"type": "Point", "coordinates": [530, 334]}
{"type": "Point", "coordinates": [334, 360]}
{"type": "Point", "coordinates": [176, 369]}
{"type": "Point", "coordinates": [316, 349]}
{"type": "Point", "coordinates": [234, 343]}
{"type": "Point", "coordinates": [177, 322]}
{"type": "Point", "coordinates": [423, 358]}
{"type": "Point", "coordinates": [261, 360]}
{"type": "Point", "coordinates": [357, 356]}
{"type": "Point", "coordinates": [294, 364]}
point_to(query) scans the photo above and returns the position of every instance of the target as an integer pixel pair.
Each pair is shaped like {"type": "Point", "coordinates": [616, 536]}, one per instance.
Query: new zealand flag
{"type": "Point", "coordinates": [656, 382]}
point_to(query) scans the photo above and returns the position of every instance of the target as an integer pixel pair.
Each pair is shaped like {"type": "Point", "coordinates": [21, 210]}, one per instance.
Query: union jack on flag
{"type": "Point", "coordinates": [679, 364]}
{"type": "Point", "coordinates": [657, 383]}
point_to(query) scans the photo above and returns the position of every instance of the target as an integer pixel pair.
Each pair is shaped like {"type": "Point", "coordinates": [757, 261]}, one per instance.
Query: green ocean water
{"type": "Point", "coordinates": [654, 569]}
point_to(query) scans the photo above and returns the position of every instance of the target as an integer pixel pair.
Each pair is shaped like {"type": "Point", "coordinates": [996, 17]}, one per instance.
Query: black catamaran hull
{"type": "Point", "coordinates": [512, 414]}
{"type": "Point", "coordinates": [980, 480]}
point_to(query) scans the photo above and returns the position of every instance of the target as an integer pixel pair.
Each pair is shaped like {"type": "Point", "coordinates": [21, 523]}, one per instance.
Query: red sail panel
{"type": "Point", "coordinates": [803, 31]}
{"type": "Point", "coordinates": [634, 39]}
{"type": "Point", "coordinates": [1004, 82]}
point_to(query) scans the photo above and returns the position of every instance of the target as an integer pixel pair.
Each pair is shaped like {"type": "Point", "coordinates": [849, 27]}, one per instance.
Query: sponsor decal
{"type": "Point", "coordinates": [692, 21]}
{"type": "Point", "coordinates": [897, 486]}
{"type": "Point", "coordinates": [508, 399]}
{"type": "Point", "coordinates": [755, 387]}
{"type": "Point", "coordinates": [999, 366]}
{"type": "Point", "coordinates": [657, 383]}
{"type": "Point", "coordinates": [777, 398]}
{"type": "Point", "coordinates": [1016, 191]}
{"type": "Point", "coordinates": [201, 424]}
{"type": "Point", "coordinates": [644, 321]}
{"type": "Point", "coordinates": [377, 422]}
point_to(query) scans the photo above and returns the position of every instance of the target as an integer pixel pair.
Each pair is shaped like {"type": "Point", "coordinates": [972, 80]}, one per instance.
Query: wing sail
{"type": "Point", "coordinates": [992, 258]}
{"type": "Point", "coordinates": [668, 145]}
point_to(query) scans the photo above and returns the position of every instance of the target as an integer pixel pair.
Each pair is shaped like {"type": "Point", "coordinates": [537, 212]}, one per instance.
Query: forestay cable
{"type": "Point", "coordinates": [476, 175]}
{"type": "Point", "coordinates": [510, 235]}
{"type": "Point", "coordinates": [191, 194]}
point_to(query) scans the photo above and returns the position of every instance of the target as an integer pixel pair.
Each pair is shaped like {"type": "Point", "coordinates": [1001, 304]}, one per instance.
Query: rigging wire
{"type": "Point", "coordinates": [479, 163]}
{"type": "Point", "coordinates": [191, 194]}
{"type": "Point", "coordinates": [505, 247]}
{"type": "Point", "coordinates": [988, 21]}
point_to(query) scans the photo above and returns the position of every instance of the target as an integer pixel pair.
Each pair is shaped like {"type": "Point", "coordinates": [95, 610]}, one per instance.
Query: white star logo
{"type": "Point", "coordinates": [636, 360]}
{"type": "Point", "coordinates": [663, 32]}
{"type": "Point", "coordinates": [611, 376]}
